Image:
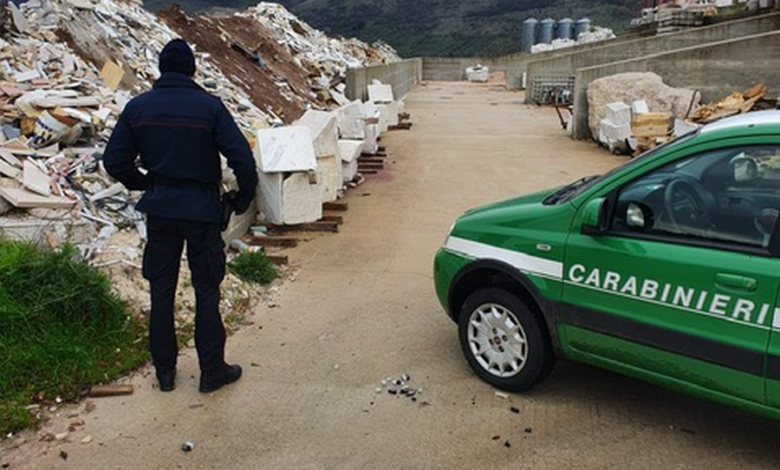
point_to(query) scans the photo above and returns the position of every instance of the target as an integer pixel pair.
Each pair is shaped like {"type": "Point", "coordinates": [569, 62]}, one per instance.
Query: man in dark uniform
{"type": "Point", "coordinates": [179, 131]}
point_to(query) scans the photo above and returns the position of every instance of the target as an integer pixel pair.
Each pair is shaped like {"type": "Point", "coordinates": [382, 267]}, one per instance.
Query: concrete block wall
{"type": "Point", "coordinates": [715, 69]}
{"type": "Point", "coordinates": [454, 68]}
{"type": "Point", "coordinates": [613, 51]}
{"type": "Point", "coordinates": [403, 76]}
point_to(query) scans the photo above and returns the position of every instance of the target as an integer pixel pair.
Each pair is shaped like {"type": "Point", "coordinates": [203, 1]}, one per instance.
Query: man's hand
{"type": "Point", "coordinates": [228, 207]}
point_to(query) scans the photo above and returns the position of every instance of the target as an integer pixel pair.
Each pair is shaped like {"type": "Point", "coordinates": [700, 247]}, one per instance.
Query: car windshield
{"type": "Point", "coordinates": [572, 190]}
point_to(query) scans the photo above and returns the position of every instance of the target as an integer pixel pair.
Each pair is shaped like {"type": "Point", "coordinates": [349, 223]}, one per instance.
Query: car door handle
{"type": "Point", "coordinates": [735, 281]}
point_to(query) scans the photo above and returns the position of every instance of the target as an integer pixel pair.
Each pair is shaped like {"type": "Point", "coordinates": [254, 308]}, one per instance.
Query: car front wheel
{"type": "Point", "coordinates": [504, 341]}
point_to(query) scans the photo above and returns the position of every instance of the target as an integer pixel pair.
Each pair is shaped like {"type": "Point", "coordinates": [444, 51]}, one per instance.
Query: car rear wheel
{"type": "Point", "coordinates": [504, 341]}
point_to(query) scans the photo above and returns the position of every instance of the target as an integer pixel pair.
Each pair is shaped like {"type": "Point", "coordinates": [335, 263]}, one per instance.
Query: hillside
{"type": "Point", "coordinates": [436, 27]}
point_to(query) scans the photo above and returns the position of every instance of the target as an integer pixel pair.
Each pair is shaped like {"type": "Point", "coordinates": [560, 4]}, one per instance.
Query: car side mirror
{"type": "Point", "coordinates": [639, 216]}
{"type": "Point", "coordinates": [594, 218]}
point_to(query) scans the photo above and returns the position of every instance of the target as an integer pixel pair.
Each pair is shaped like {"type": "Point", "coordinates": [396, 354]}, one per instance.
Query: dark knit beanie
{"type": "Point", "coordinates": [177, 57]}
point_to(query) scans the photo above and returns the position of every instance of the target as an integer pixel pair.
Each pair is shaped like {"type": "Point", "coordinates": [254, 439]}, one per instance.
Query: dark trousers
{"type": "Point", "coordinates": [206, 257]}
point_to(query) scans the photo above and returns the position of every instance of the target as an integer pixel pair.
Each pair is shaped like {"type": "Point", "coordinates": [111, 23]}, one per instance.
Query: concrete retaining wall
{"type": "Point", "coordinates": [716, 69]}
{"type": "Point", "coordinates": [568, 63]}
{"type": "Point", "coordinates": [403, 76]}
{"type": "Point", "coordinates": [453, 69]}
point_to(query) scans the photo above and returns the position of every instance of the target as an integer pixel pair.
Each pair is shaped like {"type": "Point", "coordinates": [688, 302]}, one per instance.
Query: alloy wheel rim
{"type": "Point", "coordinates": [497, 340]}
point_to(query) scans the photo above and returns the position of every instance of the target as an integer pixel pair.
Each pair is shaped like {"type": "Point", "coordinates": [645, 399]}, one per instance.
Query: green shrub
{"type": "Point", "coordinates": [253, 267]}
{"type": "Point", "coordinates": [62, 329]}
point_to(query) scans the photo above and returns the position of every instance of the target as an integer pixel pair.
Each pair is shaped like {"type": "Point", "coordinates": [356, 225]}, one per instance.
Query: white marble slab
{"type": "Point", "coordinates": [285, 149]}
{"type": "Point", "coordinates": [324, 131]}
{"type": "Point", "coordinates": [351, 120]}
{"type": "Point", "coordinates": [329, 177]}
{"type": "Point", "coordinates": [301, 200]}
{"type": "Point", "coordinates": [380, 93]}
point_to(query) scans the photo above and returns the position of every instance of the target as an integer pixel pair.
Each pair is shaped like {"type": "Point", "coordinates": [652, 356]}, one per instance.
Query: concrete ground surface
{"type": "Point", "coordinates": [362, 308]}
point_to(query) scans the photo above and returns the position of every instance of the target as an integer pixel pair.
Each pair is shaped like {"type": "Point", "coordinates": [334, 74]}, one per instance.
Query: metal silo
{"type": "Point", "coordinates": [546, 31]}
{"type": "Point", "coordinates": [530, 33]}
{"type": "Point", "coordinates": [565, 29]}
{"type": "Point", "coordinates": [582, 26]}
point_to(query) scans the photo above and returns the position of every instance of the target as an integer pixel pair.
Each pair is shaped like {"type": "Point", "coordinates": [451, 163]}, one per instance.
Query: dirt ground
{"type": "Point", "coordinates": [362, 309]}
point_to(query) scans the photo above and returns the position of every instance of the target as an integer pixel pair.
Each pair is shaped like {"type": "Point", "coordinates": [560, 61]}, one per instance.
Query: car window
{"type": "Point", "coordinates": [729, 195]}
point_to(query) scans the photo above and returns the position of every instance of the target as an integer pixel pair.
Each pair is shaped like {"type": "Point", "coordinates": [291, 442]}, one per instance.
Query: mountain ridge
{"type": "Point", "coordinates": [435, 28]}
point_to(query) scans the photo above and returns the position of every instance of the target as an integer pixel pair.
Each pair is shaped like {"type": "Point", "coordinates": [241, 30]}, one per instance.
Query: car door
{"type": "Point", "coordinates": [680, 286]}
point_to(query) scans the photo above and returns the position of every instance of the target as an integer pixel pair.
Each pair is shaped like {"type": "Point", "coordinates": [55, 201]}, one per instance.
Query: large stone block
{"type": "Point", "coordinates": [329, 177]}
{"type": "Point", "coordinates": [371, 142]}
{"type": "Point", "coordinates": [285, 149]}
{"type": "Point", "coordinates": [380, 93]}
{"type": "Point", "coordinates": [288, 199]}
{"type": "Point", "coordinates": [350, 151]}
{"type": "Point", "coordinates": [324, 131]}
{"type": "Point", "coordinates": [351, 120]}
{"type": "Point", "coordinates": [388, 115]}
{"type": "Point", "coordinates": [619, 113]}
{"type": "Point", "coordinates": [613, 135]}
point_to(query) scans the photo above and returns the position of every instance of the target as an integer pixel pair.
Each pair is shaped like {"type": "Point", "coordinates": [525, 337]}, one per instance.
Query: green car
{"type": "Point", "coordinates": [666, 269]}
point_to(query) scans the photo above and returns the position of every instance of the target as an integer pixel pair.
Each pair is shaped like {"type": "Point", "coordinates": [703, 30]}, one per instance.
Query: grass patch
{"type": "Point", "coordinates": [62, 329]}
{"type": "Point", "coordinates": [253, 267]}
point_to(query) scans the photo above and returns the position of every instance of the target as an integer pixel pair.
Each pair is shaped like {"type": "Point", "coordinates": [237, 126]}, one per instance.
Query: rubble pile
{"type": "Point", "coordinates": [326, 59]}
{"type": "Point", "coordinates": [68, 68]}
{"type": "Point", "coordinates": [124, 40]}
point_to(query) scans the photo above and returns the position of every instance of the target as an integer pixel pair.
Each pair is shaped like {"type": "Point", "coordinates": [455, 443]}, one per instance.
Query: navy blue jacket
{"type": "Point", "coordinates": [179, 130]}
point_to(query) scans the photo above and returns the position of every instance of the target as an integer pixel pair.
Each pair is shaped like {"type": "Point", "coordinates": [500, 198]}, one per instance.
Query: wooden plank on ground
{"type": "Point", "coordinates": [112, 390]}
{"type": "Point", "coordinates": [335, 206]}
{"type": "Point", "coordinates": [333, 218]}
{"type": "Point", "coordinates": [286, 242]}
{"type": "Point", "coordinates": [22, 198]}
{"type": "Point", "coordinates": [370, 166]}
{"type": "Point", "coordinates": [371, 159]}
{"type": "Point", "coordinates": [319, 226]}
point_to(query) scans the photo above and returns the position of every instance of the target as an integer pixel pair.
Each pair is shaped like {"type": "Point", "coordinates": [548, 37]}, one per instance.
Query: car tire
{"type": "Point", "coordinates": [505, 341]}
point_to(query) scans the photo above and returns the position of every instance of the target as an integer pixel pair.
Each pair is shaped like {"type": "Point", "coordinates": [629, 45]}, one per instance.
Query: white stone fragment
{"type": "Point", "coordinates": [619, 113]}
{"type": "Point", "coordinates": [640, 107]}
{"type": "Point", "coordinates": [478, 73]}
{"type": "Point", "coordinates": [380, 93]}
{"type": "Point", "coordinates": [684, 127]}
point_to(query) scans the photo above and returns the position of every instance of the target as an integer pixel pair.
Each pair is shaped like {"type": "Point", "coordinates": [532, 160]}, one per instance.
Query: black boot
{"type": "Point", "coordinates": [213, 381]}
{"type": "Point", "coordinates": [166, 379]}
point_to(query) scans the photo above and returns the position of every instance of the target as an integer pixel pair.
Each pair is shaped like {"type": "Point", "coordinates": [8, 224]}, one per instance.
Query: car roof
{"type": "Point", "coordinates": [756, 118]}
